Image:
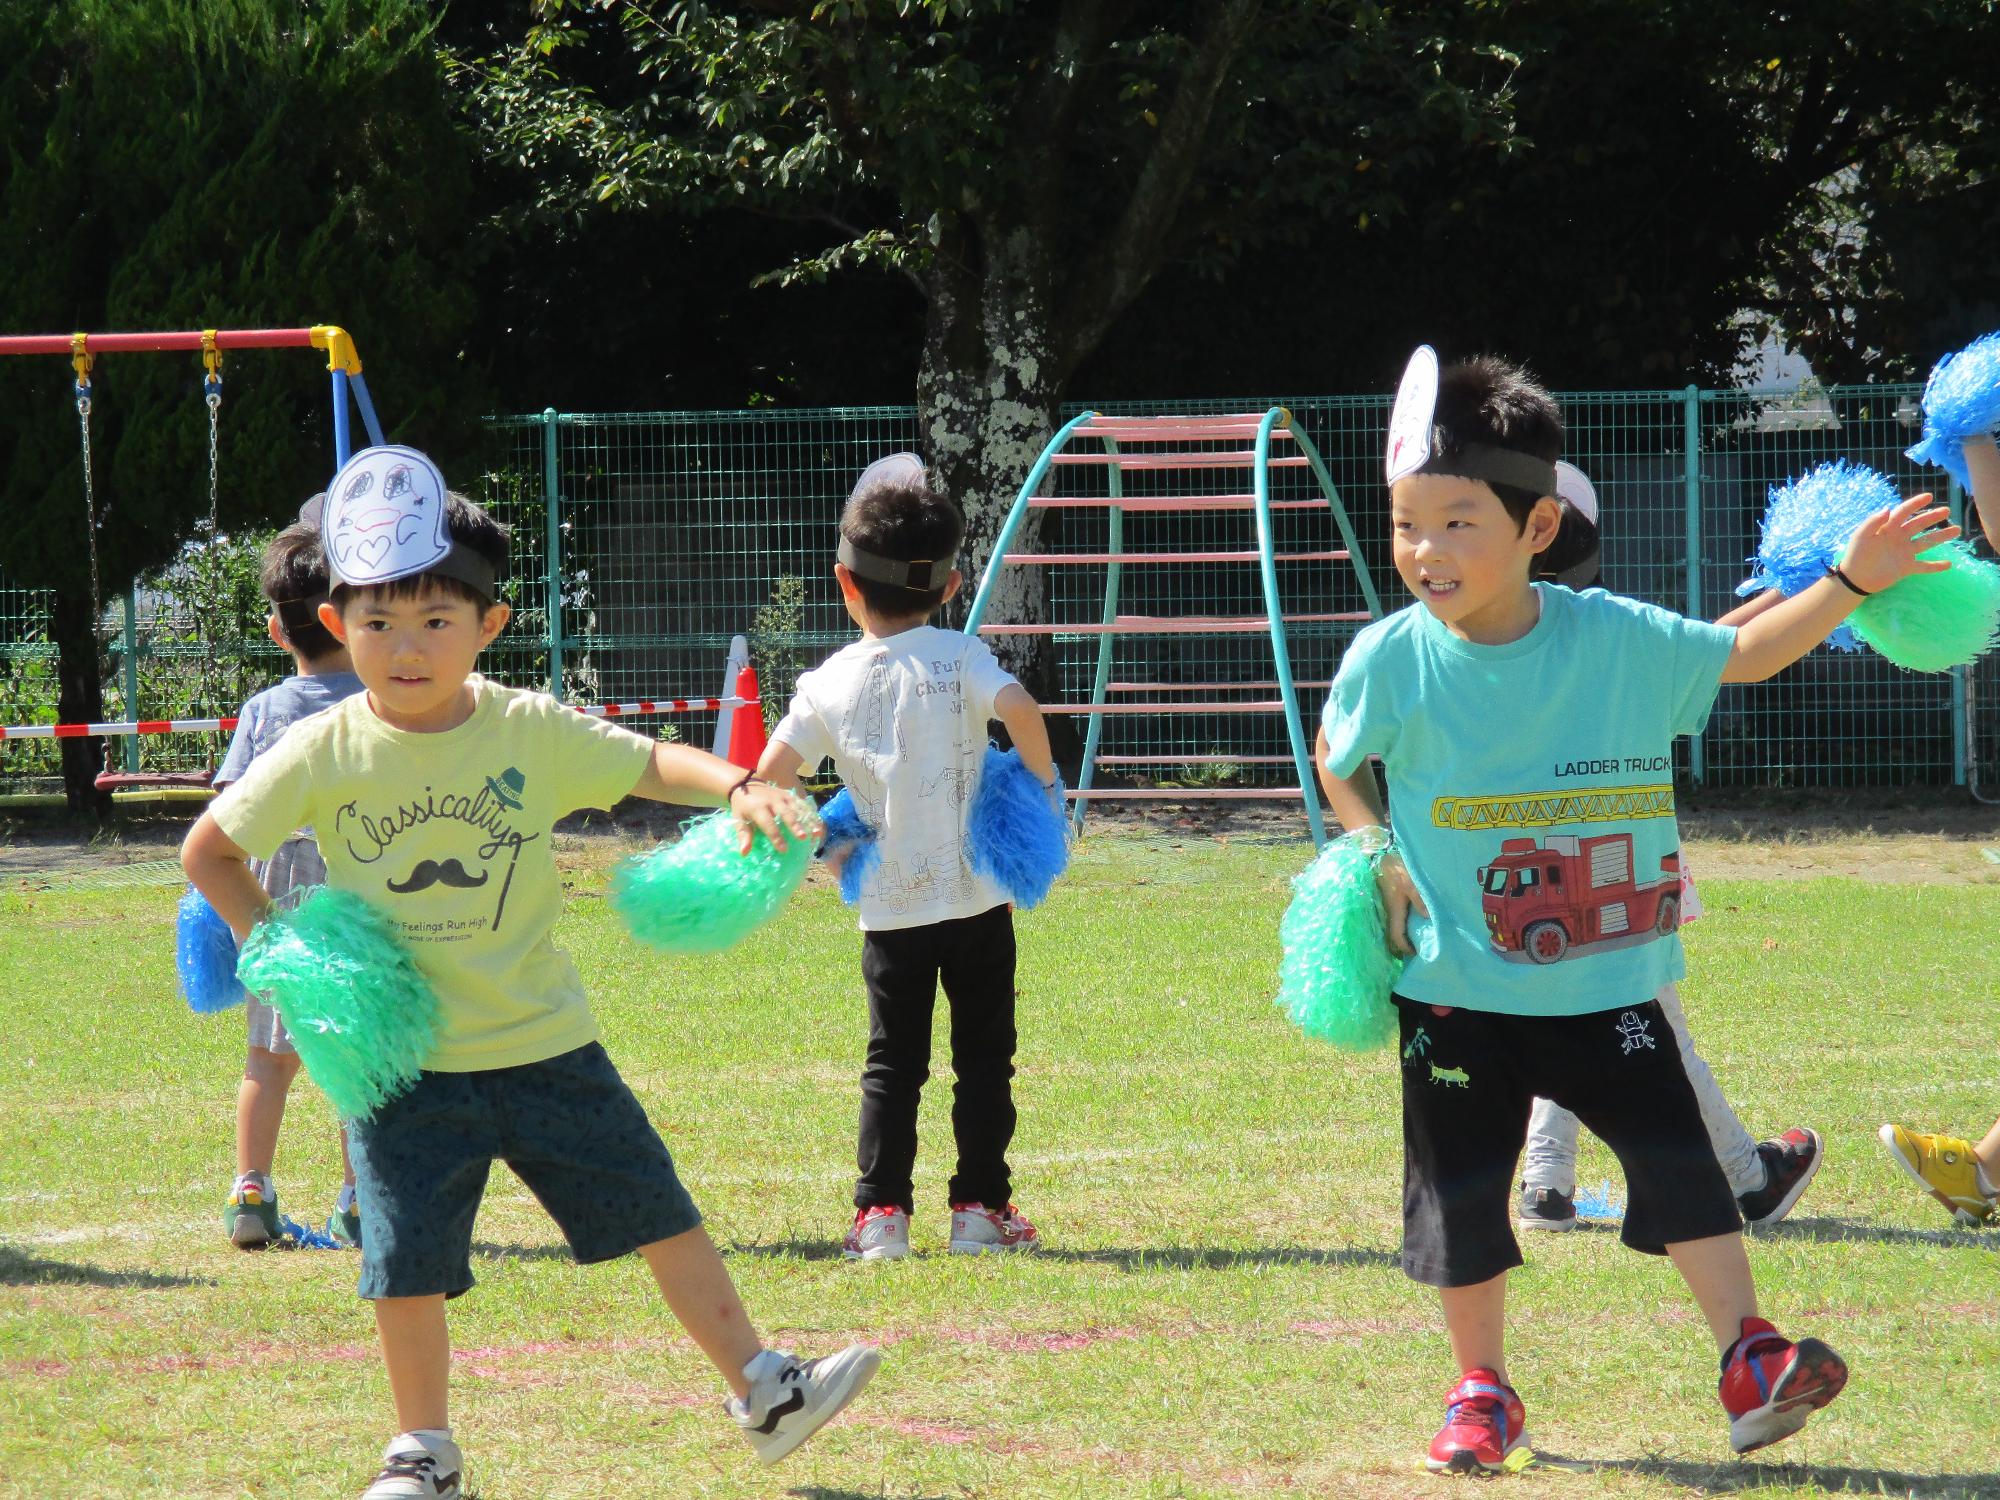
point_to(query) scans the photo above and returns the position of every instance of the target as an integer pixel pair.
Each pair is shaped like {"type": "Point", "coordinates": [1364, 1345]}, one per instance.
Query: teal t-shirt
{"type": "Point", "coordinates": [1531, 790]}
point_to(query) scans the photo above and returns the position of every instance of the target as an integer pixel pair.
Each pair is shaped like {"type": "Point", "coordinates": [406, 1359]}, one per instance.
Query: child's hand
{"type": "Point", "coordinates": [1399, 895]}
{"type": "Point", "coordinates": [1883, 550]}
{"type": "Point", "coordinates": [759, 805]}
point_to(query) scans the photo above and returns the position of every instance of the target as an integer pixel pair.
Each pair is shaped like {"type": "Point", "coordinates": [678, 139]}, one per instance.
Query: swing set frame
{"type": "Point", "coordinates": [343, 362]}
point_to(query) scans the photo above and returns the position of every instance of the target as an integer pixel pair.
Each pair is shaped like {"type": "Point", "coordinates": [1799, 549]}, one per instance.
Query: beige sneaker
{"type": "Point", "coordinates": [878, 1233]}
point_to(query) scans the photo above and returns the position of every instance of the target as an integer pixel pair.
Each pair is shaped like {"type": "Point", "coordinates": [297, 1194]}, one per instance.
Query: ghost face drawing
{"type": "Point", "coordinates": [384, 516]}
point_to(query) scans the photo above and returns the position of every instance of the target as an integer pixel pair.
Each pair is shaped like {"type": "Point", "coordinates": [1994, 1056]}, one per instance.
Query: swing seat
{"type": "Point", "coordinates": [133, 781]}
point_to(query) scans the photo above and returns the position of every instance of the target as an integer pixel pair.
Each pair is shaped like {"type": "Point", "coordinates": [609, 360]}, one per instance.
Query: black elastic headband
{"type": "Point", "coordinates": [923, 573]}
{"type": "Point", "coordinates": [1496, 466]}
{"type": "Point", "coordinates": [294, 615]}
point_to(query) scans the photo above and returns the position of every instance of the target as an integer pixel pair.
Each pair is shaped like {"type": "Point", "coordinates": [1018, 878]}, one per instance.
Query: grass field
{"type": "Point", "coordinates": [1219, 1311]}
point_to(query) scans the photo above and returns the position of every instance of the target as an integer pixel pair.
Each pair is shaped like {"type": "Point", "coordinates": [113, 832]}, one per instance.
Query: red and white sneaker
{"type": "Point", "coordinates": [1483, 1423]}
{"type": "Point", "coordinates": [878, 1233]}
{"type": "Point", "coordinates": [1771, 1385]}
{"type": "Point", "coordinates": [979, 1230]}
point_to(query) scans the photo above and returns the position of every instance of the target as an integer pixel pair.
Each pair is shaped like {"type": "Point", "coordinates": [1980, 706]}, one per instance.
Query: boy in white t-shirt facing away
{"type": "Point", "coordinates": [903, 714]}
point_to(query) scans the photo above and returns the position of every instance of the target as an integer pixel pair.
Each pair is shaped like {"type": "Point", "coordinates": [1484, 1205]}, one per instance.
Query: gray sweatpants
{"type": "Point", "coordinates": [292, 869]}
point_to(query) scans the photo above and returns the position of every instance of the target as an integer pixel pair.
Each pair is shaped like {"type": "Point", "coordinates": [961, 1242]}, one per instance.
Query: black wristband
{"type": "Point", "coordinates": [1833, 571]}
{"type": "Point", "coordinates": [748, 777]}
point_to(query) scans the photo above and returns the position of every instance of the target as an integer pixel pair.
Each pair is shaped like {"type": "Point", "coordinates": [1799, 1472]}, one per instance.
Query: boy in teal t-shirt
{"type": "Point", "coordinates": [434, 794]}
{"type": "Point", "coordinates": [1527, 733]}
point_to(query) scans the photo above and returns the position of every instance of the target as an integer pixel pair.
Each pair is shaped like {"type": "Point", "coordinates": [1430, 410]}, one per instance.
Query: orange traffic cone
{"type": "Point", "coordinates": [746, 731]}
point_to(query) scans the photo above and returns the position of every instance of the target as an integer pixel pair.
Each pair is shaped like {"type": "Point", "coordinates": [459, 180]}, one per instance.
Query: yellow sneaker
{"type": "Point", "coordinates": [1946, 1167]}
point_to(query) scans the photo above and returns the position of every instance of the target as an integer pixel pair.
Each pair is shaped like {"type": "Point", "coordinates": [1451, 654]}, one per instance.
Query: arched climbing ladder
{"type": "Point", "coordinates": [1214, 469]}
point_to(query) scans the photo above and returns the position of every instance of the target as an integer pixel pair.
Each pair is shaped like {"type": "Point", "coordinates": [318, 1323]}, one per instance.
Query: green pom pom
{"type": "Point", "coordinates": [1932, 622]}
{"type": "Point", "coordinates": [700, 895]}
{"type": "Point", "coordinates": [360, 1012]}
{"type": "Point", "coordinates": [1338, 971]}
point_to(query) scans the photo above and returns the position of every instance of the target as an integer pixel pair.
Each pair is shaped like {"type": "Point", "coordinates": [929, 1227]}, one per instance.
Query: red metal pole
{"type": "Point", "coordinates": [130, 343]}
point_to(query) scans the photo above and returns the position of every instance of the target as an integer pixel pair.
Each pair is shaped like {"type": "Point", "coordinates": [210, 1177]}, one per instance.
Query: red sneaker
{"type": "Point", "coordinates": [979, 1230]}
{"type": "Point", "coordinates": [1771, 1385]}
{"type": "Point", "coordinates": [879, 1233]}
{"type": "Point", "coordinates": [1483, 1423]}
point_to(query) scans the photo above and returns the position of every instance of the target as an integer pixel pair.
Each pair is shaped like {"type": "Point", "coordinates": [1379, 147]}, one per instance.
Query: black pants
{"type": "Point", "coordinates": [974, 956]}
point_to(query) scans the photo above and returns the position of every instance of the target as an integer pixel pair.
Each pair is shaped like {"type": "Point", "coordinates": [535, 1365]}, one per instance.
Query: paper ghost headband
{"type": "Point", "coordinates": [384, 519]}
{"type": "Point", "coordinates": [919, 573]}
{"type": "Point", "coordinates": [1412, 428]}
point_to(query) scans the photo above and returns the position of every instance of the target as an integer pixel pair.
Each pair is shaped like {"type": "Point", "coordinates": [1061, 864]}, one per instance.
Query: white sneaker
{"type": "Point", "coordinates": [789, 1401]}
{"type": "Point", "coordinates": [878, 1233]}
{"type": "Point", "coordinates": [418, 1466]}
{"type": "Point", "coordinates": [978, 1230]}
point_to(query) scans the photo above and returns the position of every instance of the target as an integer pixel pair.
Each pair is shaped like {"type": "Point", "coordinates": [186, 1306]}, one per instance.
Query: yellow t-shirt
{"type": "Point", "coordinates": [448, 834]}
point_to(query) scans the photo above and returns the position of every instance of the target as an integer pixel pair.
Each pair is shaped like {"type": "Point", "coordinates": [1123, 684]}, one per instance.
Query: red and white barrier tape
{"type": "Point", "coordinates": [180, 726]}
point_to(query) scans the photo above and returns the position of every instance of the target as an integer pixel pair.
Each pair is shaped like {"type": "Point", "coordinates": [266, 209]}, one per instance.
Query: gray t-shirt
{"type": "Point", "coordinates": [268, 715]}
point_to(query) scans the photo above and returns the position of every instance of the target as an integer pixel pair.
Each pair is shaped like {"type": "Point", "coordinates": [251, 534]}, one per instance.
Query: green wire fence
{"type": "Point", "coordinates": [643, 541]}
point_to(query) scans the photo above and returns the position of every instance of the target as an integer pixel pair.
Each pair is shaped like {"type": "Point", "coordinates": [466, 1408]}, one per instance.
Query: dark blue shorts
{"type": "Point", "coordinates": [570, 1129]}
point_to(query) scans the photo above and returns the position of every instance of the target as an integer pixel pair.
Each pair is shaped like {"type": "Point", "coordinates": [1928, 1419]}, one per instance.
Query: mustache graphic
{"type": "Point", "coordinates": [429, 873]}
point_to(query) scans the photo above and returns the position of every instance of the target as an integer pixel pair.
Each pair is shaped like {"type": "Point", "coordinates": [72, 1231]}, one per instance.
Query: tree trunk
{"type": "Point", "coordinates": [988, 390]}
{"type": "Point", "coordinates": [79, 698]}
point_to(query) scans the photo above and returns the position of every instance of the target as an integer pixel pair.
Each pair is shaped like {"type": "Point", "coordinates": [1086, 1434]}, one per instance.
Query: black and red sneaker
{"type": "Point", "coordinates": [1789, 1163]}
{"type": "Point", "coordinates": [1483, 1423]}
{"type": "Point", "coordinates": [1770, 1385]}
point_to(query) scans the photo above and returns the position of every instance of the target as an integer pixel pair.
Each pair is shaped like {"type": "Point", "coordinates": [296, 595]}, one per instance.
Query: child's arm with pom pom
{"type": "Point", "coordinates": [1983, 459]}
{"type": "Point", "coordinates": [220, 869]}
{"type": "Point", "coordinates": [694, 778]}
{"type": "Point", "coordinates": [1023, 717]}
{"type": "Point", "coordinates": [1883, 551]}
{"type": "Point", "coordinates": [1355, 806]}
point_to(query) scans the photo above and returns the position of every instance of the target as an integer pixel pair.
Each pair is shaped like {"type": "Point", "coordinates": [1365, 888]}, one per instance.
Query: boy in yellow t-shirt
{"type": "Point", "coordinates": [434, 794]}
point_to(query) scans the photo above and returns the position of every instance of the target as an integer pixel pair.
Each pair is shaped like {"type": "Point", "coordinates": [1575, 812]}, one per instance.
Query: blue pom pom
{"type": "Point", "coordinates": [1016, 834]}
{"type": "Point", "coordinates": [205, 955]}
{"type": "Point", "coordinates": [1808, 526]}
{"type": "Point", "coordinates": [851, 841]}
{"type": "Point", "coordinates": [1961, 400]}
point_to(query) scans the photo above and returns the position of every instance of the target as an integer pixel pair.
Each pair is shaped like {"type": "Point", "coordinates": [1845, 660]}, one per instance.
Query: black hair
{"type": "Point", "coordinates": [905, 522]}
{"type": "Point", "coordinates": [1489, 402]}
{"type": "Point", "coordinates": [1572, 558]}
{"type": "Point", "coordinates": [466, 524]}
{"type": "Point", "coordinates": [294, 578]}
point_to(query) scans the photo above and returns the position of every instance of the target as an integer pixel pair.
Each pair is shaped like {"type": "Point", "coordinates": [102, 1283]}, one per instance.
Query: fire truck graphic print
{"type": "Point", "coordinates": [1568, 896]}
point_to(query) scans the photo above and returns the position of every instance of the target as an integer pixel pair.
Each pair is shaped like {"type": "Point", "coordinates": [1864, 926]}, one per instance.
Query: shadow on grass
{"type": "Point", "coordinates": [18, 1269]}
{"type": "Point", "coordinates": [489, 1251]}
{"type": "Point", "coordinates": [1182, 1258]}
{"type": "Point", "coordinates": [1737, 1476]}
{"type": "Point", "coordinates": [819, 1492]}
{"type": "Point", "coordinates": [1828, 1231]}
{"type": "Point", "coordinates": [1162, 1258]}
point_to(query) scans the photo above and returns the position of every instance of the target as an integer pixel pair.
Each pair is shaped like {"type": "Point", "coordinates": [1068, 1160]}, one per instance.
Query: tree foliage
{"type": "Point", "coordinates": [214, 163]}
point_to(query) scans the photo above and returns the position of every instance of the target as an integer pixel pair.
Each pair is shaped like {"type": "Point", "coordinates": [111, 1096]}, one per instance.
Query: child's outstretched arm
{"type": "Point", "coordinates": [1883, 551]}
{"type": "Point", "coordinates": [1749, 609]}
{"type": "Point", "coordinates": [220, 870]}
{"type": "Point", "coordinates": [1023, 718]}
{"type": "Point", "coordinates": [780, 765]}
{"type": "Point", "coordinates": [1356, 806]}
{"type": "Point", "coordinates": [694, 778]}
{"type": "Point", "coordinates": [1983, 459]}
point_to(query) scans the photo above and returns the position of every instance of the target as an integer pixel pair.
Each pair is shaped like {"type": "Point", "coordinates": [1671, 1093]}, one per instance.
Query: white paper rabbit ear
{"type": "Point", "coordinates": [384, 517]}
{"type": "Point", "coordinates": [1410, 423]}
{"type": "Point", "coordinates": [1574, 486]}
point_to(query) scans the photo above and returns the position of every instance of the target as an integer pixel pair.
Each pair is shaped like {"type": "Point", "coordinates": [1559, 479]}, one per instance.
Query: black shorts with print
{"type": "Point", "coordinates": [1470, 1078]}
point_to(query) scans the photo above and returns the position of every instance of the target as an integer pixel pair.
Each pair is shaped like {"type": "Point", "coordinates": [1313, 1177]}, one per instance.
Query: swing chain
{"type": "Point", "coordinates": [211, 385]}
{"type": "Point", "coordinates": [82, 359]}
